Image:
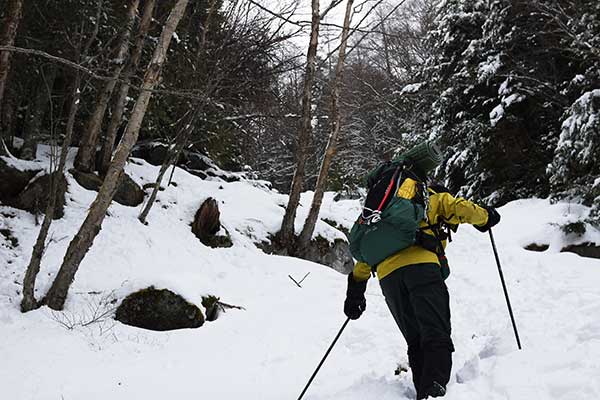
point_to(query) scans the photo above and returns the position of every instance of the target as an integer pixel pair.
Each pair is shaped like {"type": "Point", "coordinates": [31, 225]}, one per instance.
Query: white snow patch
{"type": "Point", "coordinates": [412, 88]}
{"type": "Point", "coordinates": [488, 68]}
{"type": "Point", "coordinates": [269, 350]}
{"type": "Point", "coordinates": [496, 114]}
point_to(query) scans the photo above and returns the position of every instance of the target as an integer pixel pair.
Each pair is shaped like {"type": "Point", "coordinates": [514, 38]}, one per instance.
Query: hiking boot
{"type": "Point", "coordinates": [436, 390]}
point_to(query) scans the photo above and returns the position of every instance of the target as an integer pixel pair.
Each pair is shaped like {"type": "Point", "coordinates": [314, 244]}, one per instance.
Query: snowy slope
{"type": "Point", "coordinates": [270, 350]}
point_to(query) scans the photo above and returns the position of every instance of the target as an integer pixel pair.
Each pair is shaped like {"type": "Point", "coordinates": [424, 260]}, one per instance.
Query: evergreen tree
{"type": "Point", "coordinates": [502, 71]}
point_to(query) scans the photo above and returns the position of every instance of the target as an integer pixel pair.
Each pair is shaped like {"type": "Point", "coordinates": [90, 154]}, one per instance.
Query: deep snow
{"type": "Point", "coordinates": [269, 350]}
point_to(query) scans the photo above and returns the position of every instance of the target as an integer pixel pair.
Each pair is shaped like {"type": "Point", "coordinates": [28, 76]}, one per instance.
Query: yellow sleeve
{"type": "Point", "coordinates": [456, 210]}
{"type": "Point", "coordinates": [361, 272]}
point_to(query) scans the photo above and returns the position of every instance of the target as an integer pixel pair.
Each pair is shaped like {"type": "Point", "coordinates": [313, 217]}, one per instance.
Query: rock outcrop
{"type": "Point", "coordinates": [334, 254]}
{"type": "Point", "coordinates": [194, 162]}
{"type": "Point", "coordinates": [587, 249]}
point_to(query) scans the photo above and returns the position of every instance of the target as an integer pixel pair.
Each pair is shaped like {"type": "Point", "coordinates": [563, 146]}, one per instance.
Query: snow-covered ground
{"type": "Point", "coordinates": [270, 349]}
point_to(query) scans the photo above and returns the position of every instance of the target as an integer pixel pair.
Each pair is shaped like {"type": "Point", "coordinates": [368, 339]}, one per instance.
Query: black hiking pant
{"type": "Point", "coordinates": [418, 299]}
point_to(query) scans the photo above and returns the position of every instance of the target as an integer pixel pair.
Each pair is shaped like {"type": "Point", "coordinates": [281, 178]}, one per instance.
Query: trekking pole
{"type": "Point", "coordinates": [323, 360]}
{"type": "Point", "coordinates": [512, 318]}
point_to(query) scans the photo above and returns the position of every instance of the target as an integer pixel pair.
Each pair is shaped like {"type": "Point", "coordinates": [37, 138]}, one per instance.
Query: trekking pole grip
{"type": "Point", "coordinates": [512, 318]}
{"type": "Point", "coordinates": [323, 360]}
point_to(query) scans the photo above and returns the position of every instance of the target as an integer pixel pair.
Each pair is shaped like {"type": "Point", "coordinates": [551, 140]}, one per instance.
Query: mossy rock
{"type": "Point", "coordinates": [158, 310]}
{"type": "Point", "coordinates": [13, 181]}
{"type": "Point", "coordinates": [35, 196]}
{"type": "Point", "coordinates": [128, 192]}
{"type": "Point", "coordinates": [587, 249]}
{"type": "Point", "coordinates": [154, 153]}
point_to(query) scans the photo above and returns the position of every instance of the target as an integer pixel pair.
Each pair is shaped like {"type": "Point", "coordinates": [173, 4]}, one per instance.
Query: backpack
{"type": "Point", "coordinates": [394, 207]}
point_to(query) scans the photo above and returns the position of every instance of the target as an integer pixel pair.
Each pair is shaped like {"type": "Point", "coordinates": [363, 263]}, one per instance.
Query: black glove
{"type": "Point", "coordinates": [355, 302]}
{"type": "Point", "coordinates": [493, 219]}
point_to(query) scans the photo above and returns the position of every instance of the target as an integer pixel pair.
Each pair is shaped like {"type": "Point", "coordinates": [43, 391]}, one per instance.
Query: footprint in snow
{"type": "Point", "coordinates": [469, 371]}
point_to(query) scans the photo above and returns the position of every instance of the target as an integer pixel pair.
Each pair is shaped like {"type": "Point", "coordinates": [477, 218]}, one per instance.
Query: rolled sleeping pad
{"type": "Point", "coordinates": [425, 157]}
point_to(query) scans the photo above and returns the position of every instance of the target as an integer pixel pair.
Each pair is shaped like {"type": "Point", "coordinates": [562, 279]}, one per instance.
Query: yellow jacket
{"type": "Point", "coordinates": [442, 206]}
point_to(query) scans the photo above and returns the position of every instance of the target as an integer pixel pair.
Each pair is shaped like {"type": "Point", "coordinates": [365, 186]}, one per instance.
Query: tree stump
{"type": "Point", "coordinates": [206, 222]}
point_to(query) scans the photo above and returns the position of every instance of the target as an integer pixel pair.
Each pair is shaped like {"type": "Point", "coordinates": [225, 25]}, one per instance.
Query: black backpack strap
{"type": "Point", "coordinates": [441, 231]}
{"type": "Point", "coordinates": [429, 242]}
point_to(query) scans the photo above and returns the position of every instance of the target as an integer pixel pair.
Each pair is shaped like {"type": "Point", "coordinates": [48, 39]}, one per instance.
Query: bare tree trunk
{"type": "Point", "coordinates": [38, 106]}
{"type": "Point", "coordinates": [311, 220]}
{"type": "Point", "coordinates": [29, 302]}
{"type": "Point", "coordinates": [90, 228]}
{"type": "Point", "coordinates": [119, 106]}
{"type": "Point", "coordinates": [286, 234]}
{"type": "Point", "coordinates": [7, 38]}
{"type": "Point", "coordinates": [386, 48]}
{"type": "Point", "coordinates": [86, 156]}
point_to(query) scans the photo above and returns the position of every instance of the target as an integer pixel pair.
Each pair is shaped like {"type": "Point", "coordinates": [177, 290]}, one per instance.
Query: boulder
{"type": "Point", "coordinates": [320, 250]}
{"type": "Point", "coordinates": [587, 249]}
{"type": "Point", "coordinates": [537, 247]}
{"type": "Point", "coordinates": [197, 161]}
{"type": "Point", "coordinates": [158, 310]}
{"type": "Point", "coordinates": [13, 181]}
{"type": "Point", "coordinates": [35, 196]}
{"type": "Point", "coordinates": [128, 193]}
{"type": "Point", "coordinates": [200, 174]}
{"type": "Point", "coordinates": [335, 255]}
{"type": "Point", "coordinates": [154, 153]}
{"type": "Point", "coordinates": [206, 225]}
{"type": "Point", "coordinates": [88, 180]}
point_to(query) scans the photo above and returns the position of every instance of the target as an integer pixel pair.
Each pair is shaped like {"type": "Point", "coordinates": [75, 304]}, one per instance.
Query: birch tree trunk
{"type": "Point", "coordinates": [7, 38]}
{"type": "Point", "coordinates": [330, 150]}
{"type": "Point", "coordinates": [29, 302]}
{"type": "Point", "coordinates": [86, 156]}
{"type": "Point", "coordinates": [119, 107]}
{"type": "Point", "coordinates": [90, 228]}
{"type": "Point", "coordinates": [286, 234]}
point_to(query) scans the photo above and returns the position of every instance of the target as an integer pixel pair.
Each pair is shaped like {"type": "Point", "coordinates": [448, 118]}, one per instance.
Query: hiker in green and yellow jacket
{"type": "Point", "coordinates": [412, 282]}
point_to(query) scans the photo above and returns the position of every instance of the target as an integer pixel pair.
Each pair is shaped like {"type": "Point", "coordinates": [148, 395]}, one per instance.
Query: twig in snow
{"type": "Point", "coordinates": [301, 280]}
